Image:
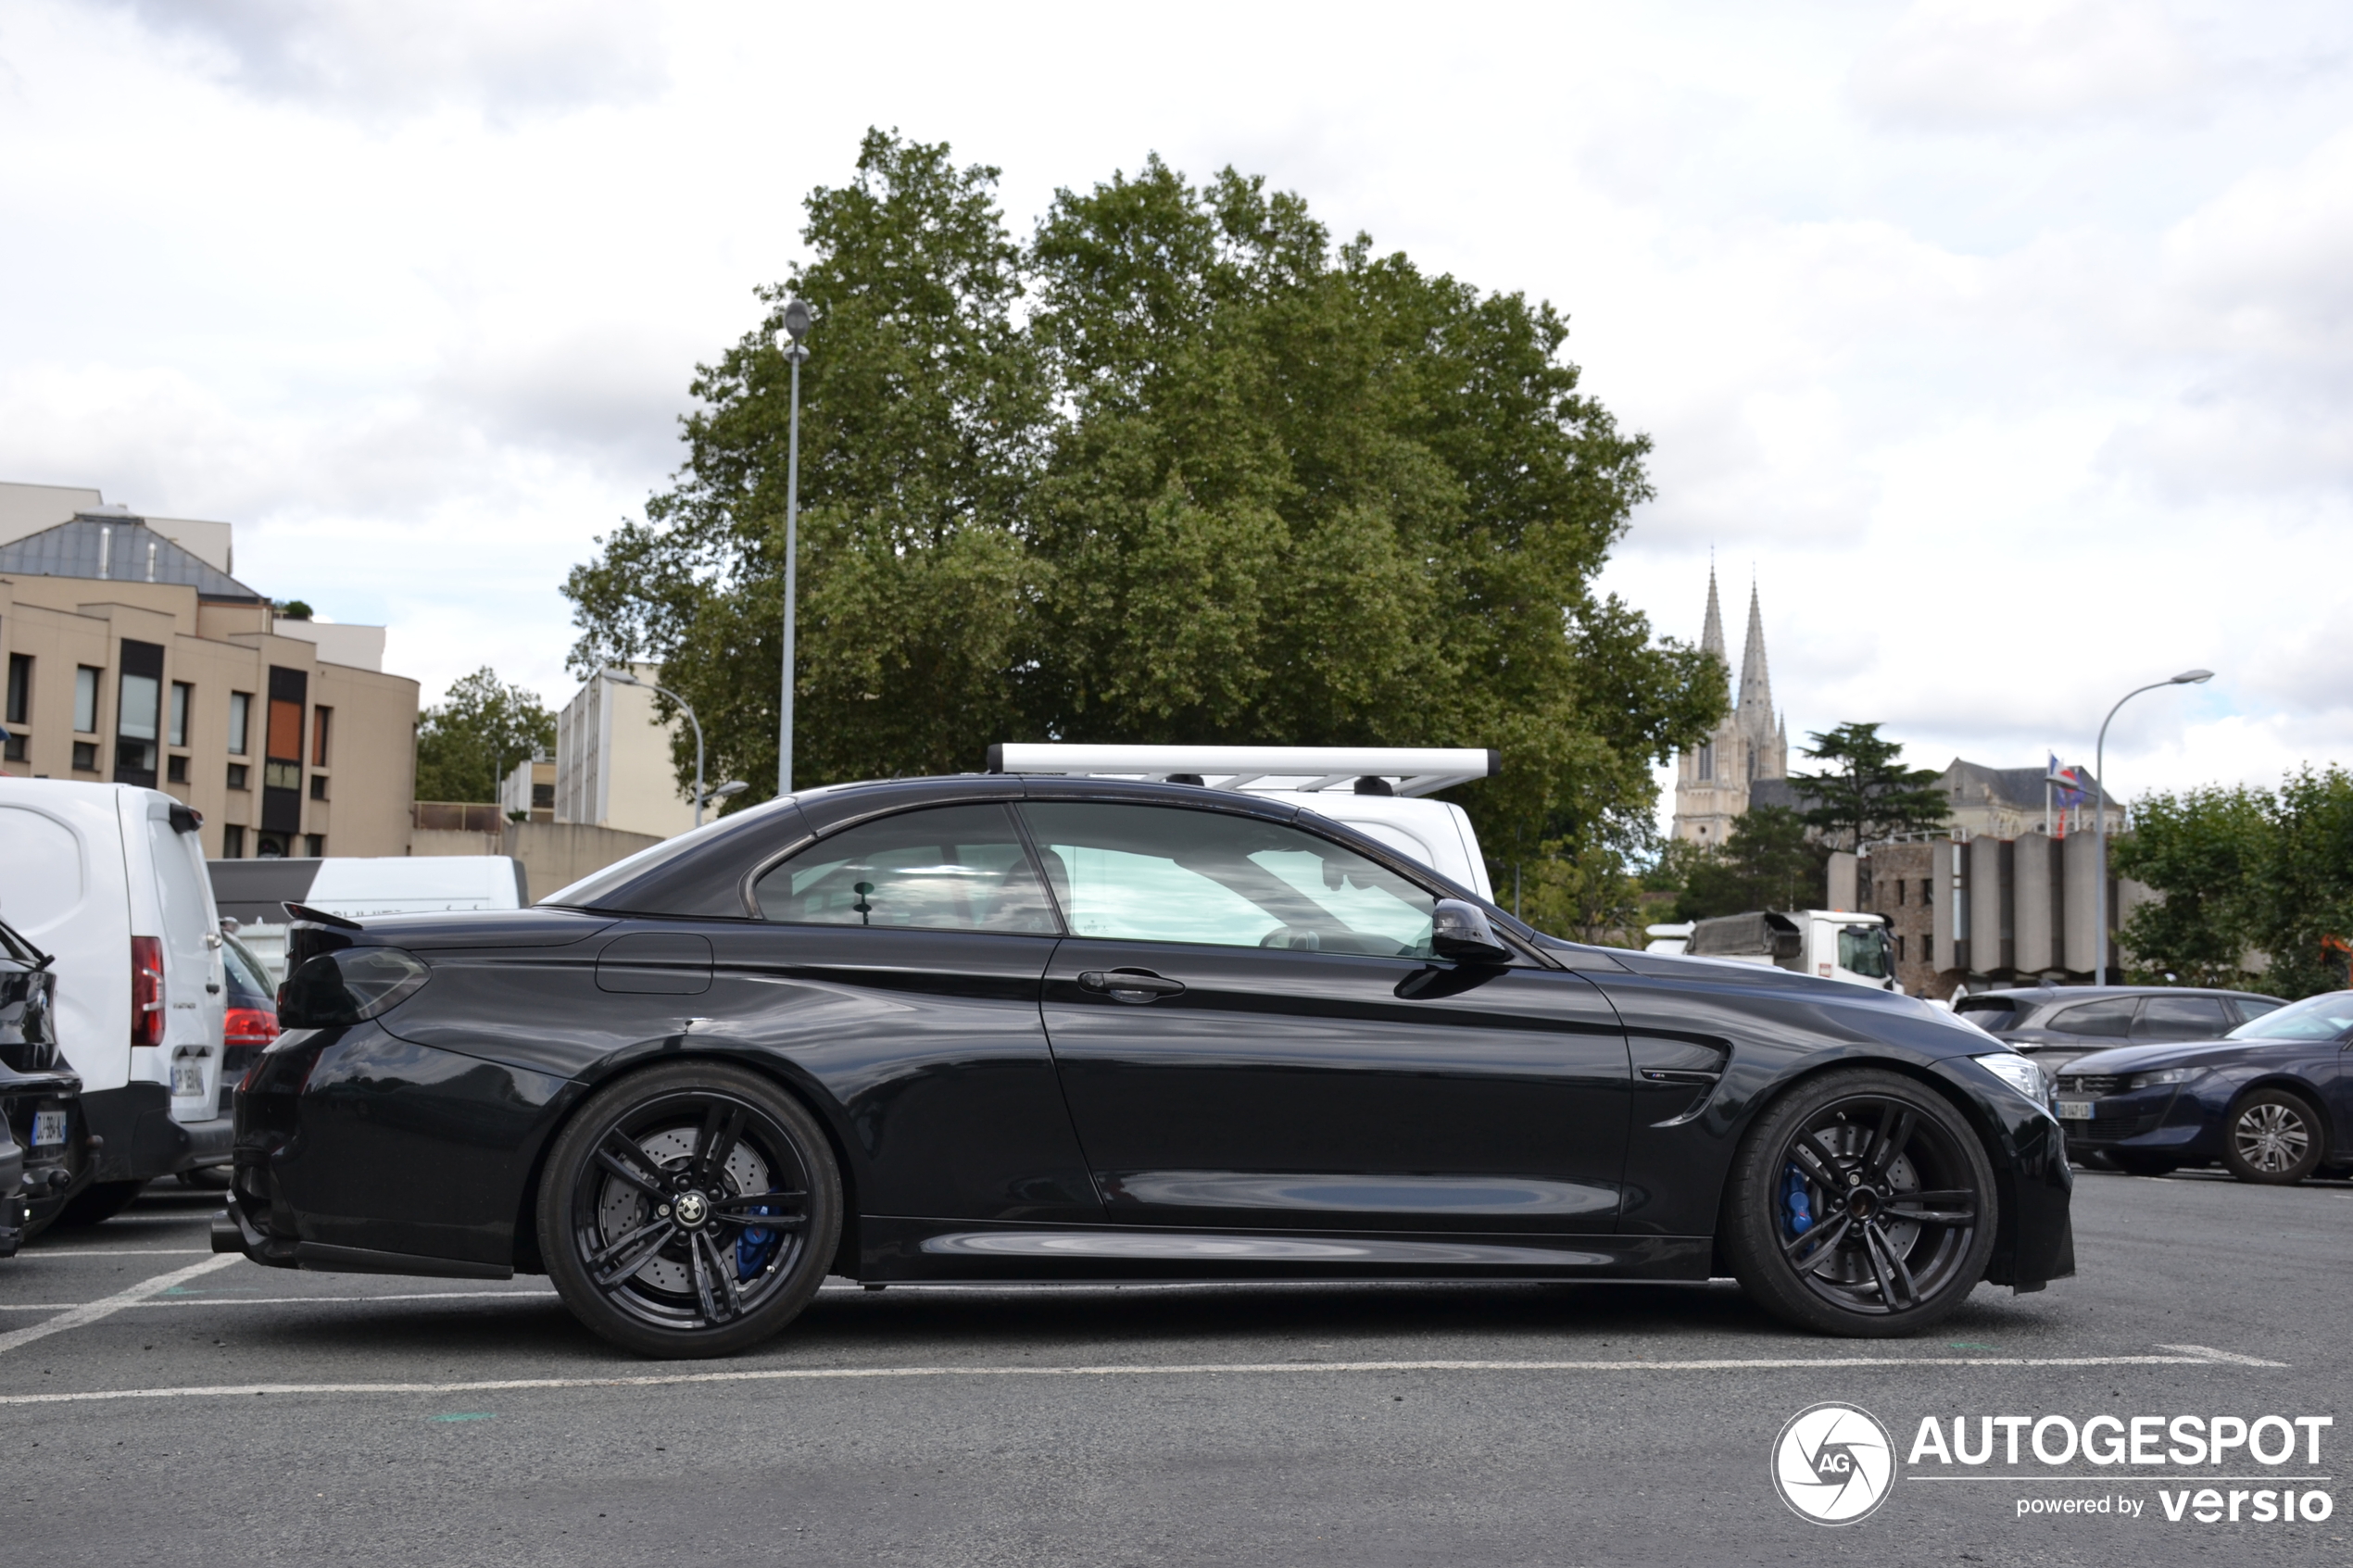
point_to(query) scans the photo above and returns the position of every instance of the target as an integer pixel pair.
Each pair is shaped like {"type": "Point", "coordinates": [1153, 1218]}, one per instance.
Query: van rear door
{"type": "Point", "coordinates": [194, 1001]}
{"type": "Point", "coordinates": [61, 845]}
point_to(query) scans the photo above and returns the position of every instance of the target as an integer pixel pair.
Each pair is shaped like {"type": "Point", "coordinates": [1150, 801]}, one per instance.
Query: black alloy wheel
{"type": "Point", "coordinates": [689, 1210]}
{"type": "Point", "coordinates": [2274, 1137]}
{"type": "Point", "coordinates": [1860, 1204]}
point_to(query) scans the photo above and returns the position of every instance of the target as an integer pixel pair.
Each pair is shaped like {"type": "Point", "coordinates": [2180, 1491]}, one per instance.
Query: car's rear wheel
{"type": "Point", "coordinates": [1860, 1203]}
{"type": "Point", "coordinates": [689, 1210]}
{"type": "Point", "coordinates": [2274, 1137]}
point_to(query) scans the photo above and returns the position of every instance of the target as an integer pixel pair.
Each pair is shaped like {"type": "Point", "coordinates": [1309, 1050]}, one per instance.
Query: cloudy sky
{"type": "Point", "coordinates": [2008, 347]}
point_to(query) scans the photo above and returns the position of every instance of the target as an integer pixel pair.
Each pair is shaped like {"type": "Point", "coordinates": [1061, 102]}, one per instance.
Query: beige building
{"type": "Point", "coordinates": [135, 659]}
{"type": "Point", "coordinates": [1713, 780]}
{"type": "Point", "coordinates": [614, 767]}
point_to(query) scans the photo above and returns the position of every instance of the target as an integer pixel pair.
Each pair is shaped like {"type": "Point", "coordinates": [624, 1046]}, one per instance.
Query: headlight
{"type": "Point", "coordinates": [2168, 1076]}
{"type": "Point", "coordinates": [2017, 1072]}
{"type": "Point", "coordinates": [348, 985]}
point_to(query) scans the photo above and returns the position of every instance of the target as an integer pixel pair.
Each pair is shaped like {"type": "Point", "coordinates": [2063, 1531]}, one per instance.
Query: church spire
{"type": "Point", "coordinates": [1711, 640]}
{"type": "Point", "coordinates": [1756, 680]}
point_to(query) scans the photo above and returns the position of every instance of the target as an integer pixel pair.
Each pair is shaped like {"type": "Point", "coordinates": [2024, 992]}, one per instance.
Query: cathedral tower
{"type": "Point", "coordinates": [1712, 780]}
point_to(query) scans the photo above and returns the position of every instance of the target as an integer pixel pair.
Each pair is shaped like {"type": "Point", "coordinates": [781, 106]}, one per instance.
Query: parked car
{"type": "Point", "coordinates": [2272, 1101]}
{"type": "Point", "coordinates": [249, 1023]}
{"type": "Point", "coordinates": [2054, 1025]}
{"type": "Point", "coordinates": [110, 879]}
{"type": "Point", "coordinates": [1062, 1028]}
{"type": "Point", "coordinates": [41, 1137]}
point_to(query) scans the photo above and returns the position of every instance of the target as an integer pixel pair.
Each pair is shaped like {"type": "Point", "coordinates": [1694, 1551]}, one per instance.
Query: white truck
{"type": "Point", "coordinates": [110, 879]}
{"type": "Point", "coordinates": [255, 893]}
{"type": "Point", "coordinates": [1827, 943]}
{"type": "Point", "coordinates": [1378, 790]}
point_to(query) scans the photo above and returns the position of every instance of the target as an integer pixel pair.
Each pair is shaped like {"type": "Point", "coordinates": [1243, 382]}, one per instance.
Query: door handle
{"type": "Point", "coordinates": [1136, 985]}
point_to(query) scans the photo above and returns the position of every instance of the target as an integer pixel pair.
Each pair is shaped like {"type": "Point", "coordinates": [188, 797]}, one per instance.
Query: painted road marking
{"type": "Point", "coordinates": [113, 1252]}
{"type": "Point", "coordinates": [292, 1300]}
{"type": "Point", "coordinates": [91, 1312]}
{"type": "Point", "coordinates": [2209, 1353]}
{"type": "Point", "coordinates": [1204, 1369]}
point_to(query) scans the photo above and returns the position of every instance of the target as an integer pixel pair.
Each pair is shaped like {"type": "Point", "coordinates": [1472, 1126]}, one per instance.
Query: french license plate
{"type": "Point", "coordinates": [2075, 1111]}
{"type": "Point", "coordinates": [48, 1127]}
{"type": "Point", "coordinates": [187, 1077]}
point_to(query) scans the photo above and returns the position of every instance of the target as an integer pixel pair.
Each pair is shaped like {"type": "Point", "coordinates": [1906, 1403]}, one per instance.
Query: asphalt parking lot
{"type": "Point", "coordinates": [159, 1406]}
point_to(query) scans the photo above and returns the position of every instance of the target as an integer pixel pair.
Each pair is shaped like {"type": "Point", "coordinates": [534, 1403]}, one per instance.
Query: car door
{"type": "Point", "coordinates": [1251, 1033]}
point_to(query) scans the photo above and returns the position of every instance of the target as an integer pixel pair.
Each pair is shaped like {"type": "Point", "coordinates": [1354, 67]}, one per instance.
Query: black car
{"type": "Point", "coordinates": [1060, 1029]}
{"type": "Point", "coordinates": [40, 1098]}
{"type": "Point", "coordinates": [2056, 1024]}
{"type": "Point", "coordinates": [2272, 1101]}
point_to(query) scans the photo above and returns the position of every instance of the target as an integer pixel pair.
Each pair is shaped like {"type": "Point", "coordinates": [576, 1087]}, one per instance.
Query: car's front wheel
{"type": "Point", "coordinates": [1860, 1203]}
{"type": "Point", "coordinates": [689, 1210]}
{"type": "Point", "coordinates": [2274, 1138]}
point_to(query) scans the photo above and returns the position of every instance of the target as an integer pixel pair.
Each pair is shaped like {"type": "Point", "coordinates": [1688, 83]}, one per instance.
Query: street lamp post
{"type": "Point", "coordinates": [2099, 818]}
{"type": "Point", "coordinates": [623, 678]}
{"type": "Point", "coordinates": [796, 328]}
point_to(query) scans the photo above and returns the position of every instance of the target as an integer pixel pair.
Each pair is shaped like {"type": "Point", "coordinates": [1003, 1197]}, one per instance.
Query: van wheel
{"type": "Point", "coordinates": [97, 1202]}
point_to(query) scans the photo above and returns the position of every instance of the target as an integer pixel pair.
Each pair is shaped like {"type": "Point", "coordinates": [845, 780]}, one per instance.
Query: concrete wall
{"type": "Point", "coordinates": [448, 841]}
{"type": "Point", "coordinates": [555, 855]}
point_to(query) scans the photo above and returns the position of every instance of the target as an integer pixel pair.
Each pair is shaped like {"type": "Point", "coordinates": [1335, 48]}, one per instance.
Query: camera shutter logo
{"type": "Point", "coordinates": [1833, 1463]}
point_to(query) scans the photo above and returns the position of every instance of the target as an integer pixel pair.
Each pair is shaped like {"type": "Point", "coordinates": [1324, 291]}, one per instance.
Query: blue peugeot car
{"type": "Point", "coordinates": [2272, 1100]}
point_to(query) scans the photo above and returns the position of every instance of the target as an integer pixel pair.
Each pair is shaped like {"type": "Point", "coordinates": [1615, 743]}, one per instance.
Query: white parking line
{"type": "Point", "coordinates": [112, 1252]}
{"type": "Point", "coordinates": [93, 1311]}
{"type": "Point", "coordinates": [2209, 1353]}
{"type": "Point", "coordinates": [292, 1300]}
{"type": "Point", "coordinates": [1204, 1369]}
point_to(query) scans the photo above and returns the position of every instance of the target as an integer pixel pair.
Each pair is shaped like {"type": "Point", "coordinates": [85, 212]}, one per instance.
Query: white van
{"type": "Point", "coordinates": [255, 893]}
{"type": "Point", "coordinates": [1378, 790]}
{"type": "Point", "coordinates": [110, 879]}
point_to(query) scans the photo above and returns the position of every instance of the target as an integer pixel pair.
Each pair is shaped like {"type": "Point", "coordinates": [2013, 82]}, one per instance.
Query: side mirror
{"type": "Point", "coordinates": [1460, 931]}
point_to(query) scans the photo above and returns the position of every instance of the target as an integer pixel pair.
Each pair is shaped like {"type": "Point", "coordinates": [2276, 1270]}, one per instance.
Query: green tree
{"type": "Point", "coordinates": [2242, 872]}
{"type": "Point", "coordinates": [476, 734]}
{"type": "Point", "coordinates": [1866, 794]}
{"type": "Point", "coordinates": [1770, 861]}
{"type": "Point", "coordinates": [1179, 470]}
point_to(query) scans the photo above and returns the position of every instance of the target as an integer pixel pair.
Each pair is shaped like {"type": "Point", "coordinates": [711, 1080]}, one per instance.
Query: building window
{"type": "Point", "coordinates": [318, 786]}
{"type": "Point", "coordinates": [85, 756]}
{"type": "Point", "coordinates": [314, 845]}
{"type": "Point", "coordinates": [85, 703]}
{"type": "Point", "coordinates": [240, 720]}
{"type": "Point", "coordinates": [138, 713]}
{"type": "Point", "coordinates": [1708, 759]}
{"type": "Point", "coordinates": [182, 694]}
{"type": "Point", "coordinates": [1928, 949]}
{"type": "Point", "coordinates": [543, 797]}
{"type": "Point", "coordinates": [237, 776]}
{"type": "Point", "coordinates": [1899, 890]}
{"type": "Point", "coordinates": [175, 770]}
{"type": "Point", "coordinates": [1899, 946]}
{"type": "Point", "coordinates": [282, 753]}
{"type": "Point", "coordinates": [13, 749]}
{"type": "Point", "coordinates": [20, 688]}
{"type": "Point", "coordinates": [232, 843]}
{"type": "Point", "coordinates": [319, 718]}
{"type": "Point", "coordinates": [1926, 897]}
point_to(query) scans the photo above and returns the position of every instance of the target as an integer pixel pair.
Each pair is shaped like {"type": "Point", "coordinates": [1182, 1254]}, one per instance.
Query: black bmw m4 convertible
{"type": "Point", "coordinates": [1063, 1029]}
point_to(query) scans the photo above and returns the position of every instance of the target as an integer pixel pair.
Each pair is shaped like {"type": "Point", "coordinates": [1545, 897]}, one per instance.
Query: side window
{"type": "Point", "coordinates": [2109, 1020]}
{"type": "Point", "coordinates": [2180, 1018]}
{"type": "Point", "coordinates": [949, 868]}
{"type": "Point", "coordinates": [1158, 874]}
{"type": "Point", "coordinates": [2248, 1008]}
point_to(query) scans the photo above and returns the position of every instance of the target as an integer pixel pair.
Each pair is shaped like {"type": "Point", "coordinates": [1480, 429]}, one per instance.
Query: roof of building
{"type": "Point", "coordinates": [1968, 783]}
{"type": "Point", "coordinates": [109, 548]}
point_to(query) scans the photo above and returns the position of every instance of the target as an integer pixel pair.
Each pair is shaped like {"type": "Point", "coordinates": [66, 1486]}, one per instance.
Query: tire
{"type": "Point", "coordinates": [1908, 1242]}
{"type": "Point", "coordinates": [98, 1202]}
{"type": "Point", "coordinates": [630, 1261]}
{"type": "Point", "coordinates": [2274, 1138]}
{"type": "Point", "coordinates": [206, 1178]}
{"type": "Point", "coordinates": [2146, 1164]}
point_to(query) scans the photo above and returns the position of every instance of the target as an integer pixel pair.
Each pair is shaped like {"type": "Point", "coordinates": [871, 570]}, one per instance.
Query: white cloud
{"type": "Point", "coordinates": [1969, 65]}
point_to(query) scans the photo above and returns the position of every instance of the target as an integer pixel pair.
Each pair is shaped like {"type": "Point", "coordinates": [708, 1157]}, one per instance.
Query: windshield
{"type": "Point", "coordinates": [2314, 1018]}
{"type": "Point", "coordinates": [1863, 950]}
{"type": "Point", "coordinates": [249, 979]}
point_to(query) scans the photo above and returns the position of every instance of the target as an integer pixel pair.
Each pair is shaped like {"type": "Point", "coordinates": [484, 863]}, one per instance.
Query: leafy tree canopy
{"type": "Point", "coordinates": [2243, 872]}
{"type": "Point", "coordinates": [1179, 469]}
{"type": "Point", "coordinates": [1866, 794]}
{"type": "Point", "coordinates": [476, 734]}
{"type": "Point", "coordinates": [1770, 861]}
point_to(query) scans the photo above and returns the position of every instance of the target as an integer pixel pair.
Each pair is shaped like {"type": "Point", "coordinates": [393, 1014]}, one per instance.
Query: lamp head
{"type": "Point", "coordinates": [797, 320]}
{"type": "Point", "coordinates": [2193, 678]}
{"type": "Point", "coordinates": [620, 677]}
{"type": "Point", "coordinates": [733, 786]}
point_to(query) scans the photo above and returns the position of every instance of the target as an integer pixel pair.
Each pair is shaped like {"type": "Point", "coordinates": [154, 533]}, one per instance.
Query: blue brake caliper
{"type": "Point", "coordinates": [1797, 1201]}
{"type": "Point", "coordinates": [754, 1248]}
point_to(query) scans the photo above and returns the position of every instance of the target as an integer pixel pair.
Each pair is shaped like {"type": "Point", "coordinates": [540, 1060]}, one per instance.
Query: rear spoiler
{"type": "Point", "coordinates": [320, 916]}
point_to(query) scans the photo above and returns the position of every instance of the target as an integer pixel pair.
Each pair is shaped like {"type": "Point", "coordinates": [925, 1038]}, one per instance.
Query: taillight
{"type": "Point", "coordinates": [249, 1026]}
{"type": "Point", "coordinates": [146, 990]}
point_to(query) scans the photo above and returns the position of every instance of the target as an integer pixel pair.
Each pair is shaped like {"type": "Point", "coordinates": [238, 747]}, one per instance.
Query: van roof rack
{"type": "Point", "coordinates": [1408, 770]}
